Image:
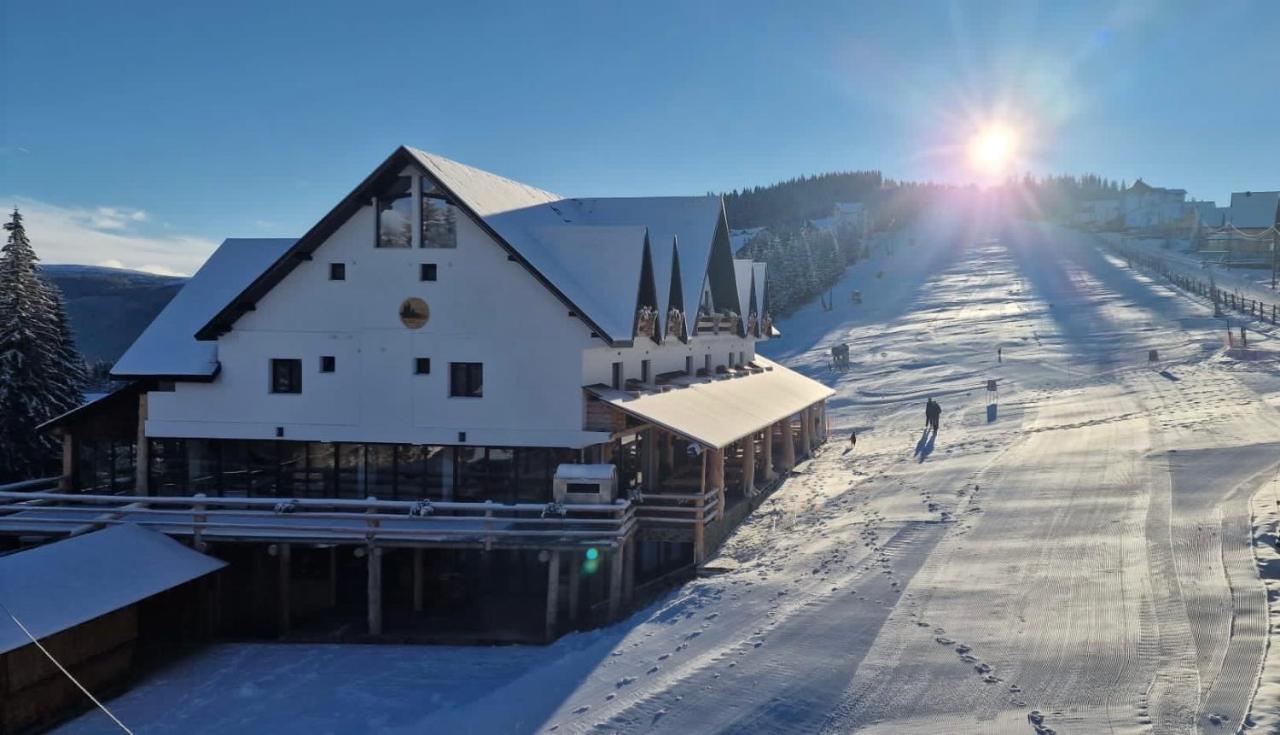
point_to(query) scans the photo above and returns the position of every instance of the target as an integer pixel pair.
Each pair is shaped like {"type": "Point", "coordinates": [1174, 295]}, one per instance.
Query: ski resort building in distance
{"type": "Point", "coordinates": [458, 408]}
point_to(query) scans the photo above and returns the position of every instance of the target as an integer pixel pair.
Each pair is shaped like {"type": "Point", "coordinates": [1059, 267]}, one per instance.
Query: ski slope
{"type": "Point", "coordinates": [1083, 558]}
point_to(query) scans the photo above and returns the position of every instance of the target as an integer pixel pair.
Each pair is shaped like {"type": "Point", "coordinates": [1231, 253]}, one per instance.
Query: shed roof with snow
{"type": "Point", "coordinates": [717, 411]}
{"type": "Point", "coordinates": [60, 585]}
{"type": "Point", "coordinates": [1254, 209]}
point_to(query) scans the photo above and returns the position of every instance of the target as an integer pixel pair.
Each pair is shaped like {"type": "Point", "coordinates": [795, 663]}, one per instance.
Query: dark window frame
{"type": "Point", "coordinates": [328, 364]}
{"type": "Point", "coordinates": [422, 366]}
{"type": "Point", "coordinates": [619, 376]}
{"type": "Point", "coordinates": [337, 271]}
{"type": "Point", "coordinates": [428, 272]}
{"type": "Point", "coordinates": [285, 376]}
{"type": "Point", "coordinates": [385, 201]}
{"type": "Point", "coordinates": [466, 380]}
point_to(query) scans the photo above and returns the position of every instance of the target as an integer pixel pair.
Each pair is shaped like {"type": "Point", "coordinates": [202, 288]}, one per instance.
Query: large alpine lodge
{"type": "Point", "coordinates": [458, 408]}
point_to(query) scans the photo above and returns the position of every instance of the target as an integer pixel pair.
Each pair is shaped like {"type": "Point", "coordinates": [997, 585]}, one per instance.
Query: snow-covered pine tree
{"type": "Point", "coordinates": [41, 375]}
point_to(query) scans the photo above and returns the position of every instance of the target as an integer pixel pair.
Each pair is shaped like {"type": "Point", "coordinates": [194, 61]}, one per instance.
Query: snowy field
{"type": "Point", "coordinates": [1079, 559]}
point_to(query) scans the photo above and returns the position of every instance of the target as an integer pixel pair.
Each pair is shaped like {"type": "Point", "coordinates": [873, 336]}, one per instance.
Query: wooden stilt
{"type": "Point", "coordinates": [553, 593]}
{"type": "Point", "coordinates": [617, 557]}
{"type": "Point", "coordinates": [67, 481]}
{"type": "Point", "coordinates": [417, 580]}
{"type": "Point", "coordinates": [748, 465]}
{"type": "Point", "coordinates": [375, 590]}
{"type": "Point", "coordinates": [629, 572]}
{"type": "Point", "coordinates": [767, 450]}
{"type": "Point", "coordinates": [806, 431]}
{"type": "Point", "coordinates": [699, 526]}
{"type": "Point", "coordinates": [717, 474]}
{"type": "Point", "coordinates": [142, 452]}
{"type": "Point", "coordinates": [575, 580]}
{"type": "Point", "coordinates": [283, 588]}
{"type": "Point", "coordinates": [788, 445]}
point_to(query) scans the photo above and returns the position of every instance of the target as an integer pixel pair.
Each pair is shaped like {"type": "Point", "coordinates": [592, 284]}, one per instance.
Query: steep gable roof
{"type": "Point", "coordinates": [1254, 209]}
{"type": "Point", "coordinates": [743, 276]}
{"type": "Point", "coordinates": [510, 211]}
{"type": "Point", "coordinates": [168, 348]}
{"type": "Point", "coordinates": [758, 272]}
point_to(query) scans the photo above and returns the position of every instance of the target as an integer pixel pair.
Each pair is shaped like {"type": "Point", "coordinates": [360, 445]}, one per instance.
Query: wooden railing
{"type": "Point", "coordinates": [679, 508]}
{"type": "Point", "coordinates": [385, 522]}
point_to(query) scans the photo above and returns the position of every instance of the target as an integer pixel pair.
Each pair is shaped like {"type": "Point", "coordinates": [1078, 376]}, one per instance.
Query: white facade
{"type": "Point", "coordinates": [1148, 207]}
{"type": "Point", "coordinates": [485, 307]}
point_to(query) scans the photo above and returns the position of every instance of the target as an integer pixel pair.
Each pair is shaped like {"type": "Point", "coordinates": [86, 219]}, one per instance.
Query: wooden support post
{"type": "Point", "coordinates": [374, 590]}
{"type": "Point", "coordinates": [67, 481]}
{"type": "Point", "coordinates": [806, 431]}
{"type": "Point", "coordinates": [283, 555]}
{"type": "Point", "coordinates": [716, 478]}
{"type": "Point", "coordinates": [617, 557]}
{"type": "Point", "coordinates": [767, 449]}
{"type": "Point", "coordinates": [629, 572]}
{"type": "Point", "coordinates": [553, 594]}
{"type": "Point", "coordinates": [575, 580]}
{"type": "Point", "coordinates": [333, 577]}
{"type": "Point", "coordinates": [668, 451]}
{"type": "Point", "coordinates": [142, 453]}
{"type": "Point", "coordinates": [788, 444]}
{"type": "Point", "coordinates": [417, 580]}
{"type": "Point", "coordinates": [748, 465]}
{"type": "Point", "coordinates": [700, 524]}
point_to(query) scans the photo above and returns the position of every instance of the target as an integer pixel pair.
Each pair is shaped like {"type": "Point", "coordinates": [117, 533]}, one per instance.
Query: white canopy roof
{"type": "Point", "coordinates": [715, 412]}
{"type": "Point", "coordinates": [168, 346]}
{"type": "Point", "coordinates": [60, 585]}
{"type": "Point", "coordinates": [1254, 209]}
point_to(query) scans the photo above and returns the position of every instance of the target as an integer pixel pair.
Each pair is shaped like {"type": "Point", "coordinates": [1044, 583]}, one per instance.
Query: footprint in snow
{"type": "Point", "coordinates": [653, 670]}
{"type": "Point", "coordinates": [582, 709]}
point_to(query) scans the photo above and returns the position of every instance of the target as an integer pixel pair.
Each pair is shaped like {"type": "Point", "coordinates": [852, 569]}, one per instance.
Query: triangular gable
{"type": "Point", "coordinates": [742, 276]}
{"type": "Point", "coordinates": [761, 304]}
{"type": "Point", "coordinates": [720, 273]}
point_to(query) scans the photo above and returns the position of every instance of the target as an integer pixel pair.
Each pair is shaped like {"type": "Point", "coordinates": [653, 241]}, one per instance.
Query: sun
{"type": "Point", "coordinates": [993, 149]}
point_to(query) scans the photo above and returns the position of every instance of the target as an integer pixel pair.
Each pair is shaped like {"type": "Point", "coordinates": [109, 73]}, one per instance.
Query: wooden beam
{"type": "Point", "coordinates": [553, 594]}
{"type": "Point", "coordinates": [575, 580]}
{"type": "Point", "coordinates": [283, 591]}
{"type": "Point", "coordinates": [142, 453]}
{"type": "Point", "coordinates": [67, 481]}
{"type": "Point", "coordinates": [417, 580]}
{"type": "Point", "coordinates": [788, 444]}
{"type": "Point", "coordinates": [617, 556]}
{"type": "Point", "coordinates": [699, 526]}
{"type": "Point", "coordinates": [806, 431]}
{"type": "Point", "coordinates": [767, 449]}
{"type": "Point", "coordinates": [748, 465]}
{"type": "Point", "coordinates": [374, 590]}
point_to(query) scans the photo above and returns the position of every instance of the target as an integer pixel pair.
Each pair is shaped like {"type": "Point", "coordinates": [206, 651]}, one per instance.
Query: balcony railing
{"type": "Point", "coordinates": [679, 508]}
{"type": "Point", "coordinates": [307, 520]}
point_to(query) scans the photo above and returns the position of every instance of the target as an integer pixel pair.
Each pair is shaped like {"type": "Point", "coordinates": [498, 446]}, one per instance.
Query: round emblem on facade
{"type": "Point", "coordinates": [414, 312]}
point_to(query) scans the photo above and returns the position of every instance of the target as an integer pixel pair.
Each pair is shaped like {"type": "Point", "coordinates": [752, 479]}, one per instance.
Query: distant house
{"type": "Point", "coordinates": [1246, 229]}
{"type": "Point", "coordinates": [1098, 213]}
{"type": "Point", "coordinates": [531, 405]}
{"type": "Point", "coordinates": [1147, 207]}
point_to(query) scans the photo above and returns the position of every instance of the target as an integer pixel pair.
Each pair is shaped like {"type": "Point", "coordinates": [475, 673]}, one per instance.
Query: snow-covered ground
{"type": "Point", "coordinates": [1082, 558]}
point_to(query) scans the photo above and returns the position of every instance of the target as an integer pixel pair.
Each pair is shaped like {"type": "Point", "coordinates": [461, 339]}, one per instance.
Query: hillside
{"type": "Point", "coordinates": [109, 307]}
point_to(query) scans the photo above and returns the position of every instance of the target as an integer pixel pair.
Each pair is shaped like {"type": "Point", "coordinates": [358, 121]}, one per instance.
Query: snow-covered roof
{"type": "Point", "coordinates": [598, 268]}
{"type": "Point", "coordinates": [662, 255]}
{"type": "Point", "coordinates": [168, 347]}
{"type": "Point", "coordinates": [1254, 209]}
{"type": "Point", "coordinates": [743, 275]}
{"type": "Point", "coordinates": [597, 472]}
{"type": "Point", "coordinates": [717, 411]}
{"type": "Point", "coordinates": [849, 208]}
{"type": "Point", "coordinates": [486, 193]}
{"type": "Point", "coordinates": [60, 585]}
{"type": "Point", "coordinates": [1209, 214]}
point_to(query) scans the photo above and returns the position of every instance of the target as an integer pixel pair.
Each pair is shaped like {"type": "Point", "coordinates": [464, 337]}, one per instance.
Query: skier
{"type": "Point", "coordinates": [853, 439]}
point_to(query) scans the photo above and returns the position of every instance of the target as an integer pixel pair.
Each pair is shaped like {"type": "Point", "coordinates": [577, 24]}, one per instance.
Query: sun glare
{"type": "Point", "coordinates": [992, 149]}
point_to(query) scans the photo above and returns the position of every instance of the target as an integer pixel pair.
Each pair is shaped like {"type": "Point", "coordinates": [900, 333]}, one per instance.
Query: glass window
{"type": "Point", "coordinates": [466, 379]}
{"type": "Point", "coordinates": [350, 471]}
{"type": "Point", "coordinates": [411, 471]}
{"type": "Point", "coordinates": [471, 474]}
{"type": "Point", "coordinates": [533, 478]}
{"type": "Point", "coordinates": [500, 482]}
{"type": "Point", "coordinates": [292, 458]}
{"type": "Point", "coordinates": [644, 371]}
{"type": "Point", "coordinates": [380, 471]}
{"type": "Point", "coordinates": [123, 465]}
{"type": "Point", "coordinates": [202, 466]}
{"type": "Point", "coordinates": [395, 214]}
{"type": "Point", "coordinates": [427, 272]}
{"type": "Point", "coordinates": [422, 365]}
{"type": "Point", "coordinates": [440, 473]}
{"type": "Point", "coordinates": [168, 467]}
{"type": "Point", "coordinates": [337, 271]}
{"type": "Point", "coordinates": [321, 457]}
{"type": "Point", "coordinates": [617, 376]}
{"type": "Point", "coordinates": [235, 468]}
{"type": "Point", "coordinates": [328, 363]}
{"type": "Point", "coordinates": [286, 376]}
{"type": "Point", "coordinates": [263, 468]}
{"type": "Point", "coordinates": [439, 219]}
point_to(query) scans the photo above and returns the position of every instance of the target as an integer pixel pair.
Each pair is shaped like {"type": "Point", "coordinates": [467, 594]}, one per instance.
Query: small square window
{"type": "Point", "coordinates": [286, 376]}
{"type": "Point", "coordinates": [422, 365]}
{"type": "Point", "coordinates": [337, 271]}
{"type": "Point", "coordinates": [427, 272]}
{"type": "Point", "coordinates": [328, 363]}
{"type": "Point", "coordinates": [466, 379]}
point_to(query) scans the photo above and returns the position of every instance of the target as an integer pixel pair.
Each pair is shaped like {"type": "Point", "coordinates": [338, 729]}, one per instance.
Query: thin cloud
{"type": "Point", "coordinates": [108, 236]}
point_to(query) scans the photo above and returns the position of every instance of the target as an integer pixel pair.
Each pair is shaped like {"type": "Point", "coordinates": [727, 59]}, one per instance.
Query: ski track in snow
{"type": "Point", "coordinates": [1082, 561]}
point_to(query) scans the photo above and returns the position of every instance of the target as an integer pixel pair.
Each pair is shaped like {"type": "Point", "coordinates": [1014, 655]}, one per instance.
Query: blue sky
{"type": "Point", "coordinates": [143, 133]}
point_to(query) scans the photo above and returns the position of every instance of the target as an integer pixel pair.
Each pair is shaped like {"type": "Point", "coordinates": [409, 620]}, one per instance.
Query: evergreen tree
{"type": "Point", "coordinates": [41, 374]}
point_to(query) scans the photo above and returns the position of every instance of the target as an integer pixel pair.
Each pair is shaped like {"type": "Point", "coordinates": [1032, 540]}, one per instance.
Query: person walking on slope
{"type": "Point", "coordinates": [937, 415]}
{"type": "Point", "coordinates": [932, 412]}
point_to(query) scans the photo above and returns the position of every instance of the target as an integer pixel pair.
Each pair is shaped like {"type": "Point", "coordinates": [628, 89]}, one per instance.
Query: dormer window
{"type": "Point", "coordinates": [394, 206]}
{"type": "Point", "coordinates": [439, 218]}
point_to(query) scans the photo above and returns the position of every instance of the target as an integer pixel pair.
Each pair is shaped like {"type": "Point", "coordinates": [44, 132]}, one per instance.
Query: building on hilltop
{"type": "Point", "coordinates": [459, 406]}
{"type": "Point", "coordinates": [1248, 232]}
{"type": "Point", "coordinates": [1147, 207]}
